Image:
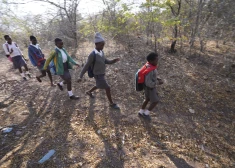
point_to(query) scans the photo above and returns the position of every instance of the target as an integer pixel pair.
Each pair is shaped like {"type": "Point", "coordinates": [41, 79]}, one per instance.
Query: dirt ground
{"type": "Point", "coordinates": [193, 125]}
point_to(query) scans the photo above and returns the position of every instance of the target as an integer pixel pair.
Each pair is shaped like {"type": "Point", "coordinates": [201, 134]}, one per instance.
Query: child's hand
{"type": "Point", "coordinates": [116, 60]}
{"type": "Point", "coordinates": [160, 81]}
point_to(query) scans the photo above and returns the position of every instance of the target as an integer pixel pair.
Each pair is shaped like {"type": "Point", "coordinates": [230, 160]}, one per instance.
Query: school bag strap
{"type": "Point", "coordinates": [140, 75]}
{"type": "Point", "coordinates": [144, 71]}
{"type": "Point", "coordinates": [93, 63]}
{"type": "Point", "coordinates": [8, 46]}
{"type": "Point", "coordinates": [91, 67]}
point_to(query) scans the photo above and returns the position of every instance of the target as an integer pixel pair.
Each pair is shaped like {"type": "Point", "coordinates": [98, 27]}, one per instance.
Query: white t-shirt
{"type": "Point", "coordinates": [13, 46]}
{"type": "Point", "coordinates": [64, 56]}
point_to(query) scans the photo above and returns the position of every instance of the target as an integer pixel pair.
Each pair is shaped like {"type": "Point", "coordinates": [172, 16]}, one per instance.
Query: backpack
{"type": "Point", "coordinates": [39, 60]}
{"type": "Point", "coordinates": [91, 67]}
{"type": "Point", "coordinates": [52, 66]}
{"type": "Point", "coordinates": [140, 76]}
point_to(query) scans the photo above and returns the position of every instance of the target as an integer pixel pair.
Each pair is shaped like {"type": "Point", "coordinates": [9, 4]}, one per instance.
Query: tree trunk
{"type": "Point", "coordinates": [195, 29]}
{"type": "Point", "coordinates": [173, 44]}
{"type": "Point", "coordinates": [173, 50]}
{"type": "Point", "coordinates": [155, 43]}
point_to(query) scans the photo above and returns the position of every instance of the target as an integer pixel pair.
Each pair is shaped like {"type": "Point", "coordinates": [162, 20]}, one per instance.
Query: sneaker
{"type": "Point", "coordinates": [74, 97]}
{"type": "Point", "coordinates": [60, 87]}
{"type": "Point", "coordinates": [147, 117]}
{"type": "Point", "coordinates": [114, 106]}
{"type": "Point", "coordinates": [146, 113]}
{"type": "Point", "coordinates": [141, 112]}
{"type": "Point", "coordinates": [90, 94]}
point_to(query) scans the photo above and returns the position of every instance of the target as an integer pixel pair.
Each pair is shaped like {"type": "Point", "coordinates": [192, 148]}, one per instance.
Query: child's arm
{"type": "Point", "coordinates": [86, 66]}
{"type": "Point", "coordinates": [70, 59]}
{"type": "Point", "coordinates": [149, 82]}
{"type": "Point", "coordinates": [111, 61]}
{"type": "Point", "coordinates": [42, 53]}
{"type": "Point", "coordinates": [5, 49]}
{"type": "Point", "coordinates": [31, 58]}
{"type": "Point", "coordinates": [48, 60]}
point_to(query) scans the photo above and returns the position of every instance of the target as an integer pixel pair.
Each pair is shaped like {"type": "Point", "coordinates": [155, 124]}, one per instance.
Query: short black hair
{"type": "Point", "coordinates": [6, 36]}
{"type": "Point", "coordinates": [152, 56]}
{"type": "Point", "coordinates": [32, 38]}
{"type": "Point", "coordinates": [57, 40]}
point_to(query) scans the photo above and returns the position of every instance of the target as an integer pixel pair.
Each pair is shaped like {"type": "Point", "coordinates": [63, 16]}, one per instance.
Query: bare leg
{"type": "Point", "coordinates": [50, 77]}
{"type": "Point", "coordinates": [89, 92]}
{"type": "Point", "coordinates": [42, 75]}
{"type": "Point", "coordinates": [145, 104]}
{"type": "Point", "coordinates": [26, 67]}
{"type": "Point", "coordinates": [93, 89]}
{"type": "Point", "coordinates": [20, 70]}
{"type": "Point", "coordinates": [108, 93]}
{"type": "Point", "coordinates": [152, 105]}
{"type": "Point", "coordinates": [69, 85]}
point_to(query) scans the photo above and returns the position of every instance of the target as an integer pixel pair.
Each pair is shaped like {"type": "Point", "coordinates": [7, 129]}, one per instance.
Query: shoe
{"type": "Point", "coordinates": [60, 87]}
{"type": "Point", "coordinates": [142, 115]}
{"type": "Point", "coordinates": [90, 94]}
{"type": "Point", "coordinates": [141, 112]}
{"type": "Point", "coordinates": [74, 97]}
{"type": "Point", "coordinates": [114, 106]}
{"type": "Point", "coordinates": [39, 80]}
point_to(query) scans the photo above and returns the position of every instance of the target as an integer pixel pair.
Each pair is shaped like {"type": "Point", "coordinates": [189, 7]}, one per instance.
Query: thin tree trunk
{"type": "Point", "coordinates": [195, 29]}
{"type": "Point", "coordinates": [173, 44]}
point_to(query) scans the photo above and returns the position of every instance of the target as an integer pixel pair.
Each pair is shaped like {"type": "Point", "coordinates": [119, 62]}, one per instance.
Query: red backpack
{"type": "Point", "coordinates": [140, 75]}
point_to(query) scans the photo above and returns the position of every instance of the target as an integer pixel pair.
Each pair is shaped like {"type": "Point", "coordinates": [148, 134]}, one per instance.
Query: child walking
{"type": "Point", "coordinates": [97, 60]}
{"type": "Point", "coordinates": [37, 59]}
{"type": "Point", "coordinates": [62, 63]}
{"type": "Point", "coordinates": [150, 86]}
{"type": "Point", "coordinates": [13, 51]}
